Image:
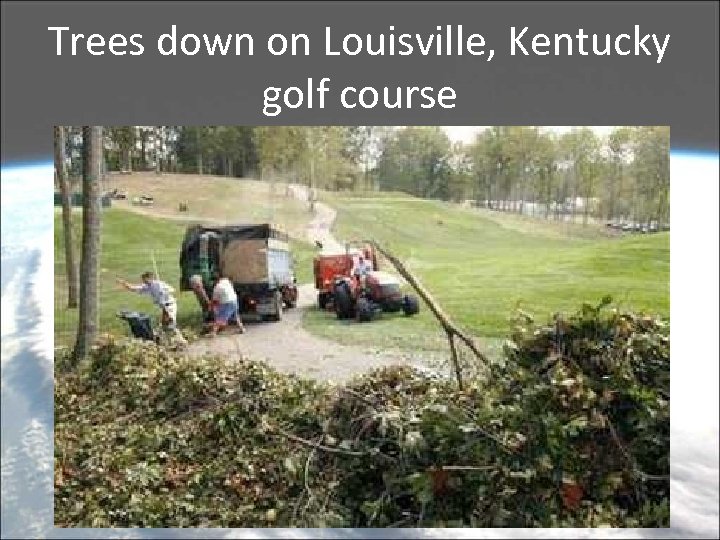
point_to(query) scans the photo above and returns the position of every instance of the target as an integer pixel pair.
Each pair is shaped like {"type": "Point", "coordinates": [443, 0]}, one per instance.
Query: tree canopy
{"type": "Point", "coordinates": [525, 169]}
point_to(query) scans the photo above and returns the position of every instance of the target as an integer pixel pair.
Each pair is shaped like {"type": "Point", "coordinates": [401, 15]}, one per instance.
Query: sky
{"type": "Point", "coordinates": [466, 134]}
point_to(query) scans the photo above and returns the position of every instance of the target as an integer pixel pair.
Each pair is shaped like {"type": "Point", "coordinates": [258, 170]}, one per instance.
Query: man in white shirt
{"type": "Point", "coordinates": [362, 266]}
{"type": "Point", "coordinates": [361, 269]}
{"type": "Point", "coordinates": [161, 294]}
{"type": "Point", "coordinates": [225, 302]}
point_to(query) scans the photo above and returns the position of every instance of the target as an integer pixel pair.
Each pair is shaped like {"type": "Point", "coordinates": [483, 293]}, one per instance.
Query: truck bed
{"type": "Point", "coordinates": [257, 261]}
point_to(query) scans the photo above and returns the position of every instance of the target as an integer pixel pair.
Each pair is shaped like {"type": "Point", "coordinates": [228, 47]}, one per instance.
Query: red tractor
{"type": "Point", "coordinates": [361, 297]}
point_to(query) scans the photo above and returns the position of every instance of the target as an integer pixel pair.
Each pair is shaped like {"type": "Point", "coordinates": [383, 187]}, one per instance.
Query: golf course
{"type": "Point", "coordinates": [481, 266]}
{"type": "Point", "coordinates": [498, 356]}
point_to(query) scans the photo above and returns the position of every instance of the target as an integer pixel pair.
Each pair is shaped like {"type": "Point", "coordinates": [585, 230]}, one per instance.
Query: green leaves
{"type": "Point", "coordinates": [555, 436]}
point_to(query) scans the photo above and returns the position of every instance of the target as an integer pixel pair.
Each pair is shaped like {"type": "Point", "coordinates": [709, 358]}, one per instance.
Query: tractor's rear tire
{"type": "Point", "coordinates": [410, 306]}
{"type": "Point", "coordinates": [291, 300]}
{"type": "Point", "coordinates": [365, 311]}
{"type": "Point", "coordinates": [342, 301]}
{"type": "Point", "coordinates": [278, 302]}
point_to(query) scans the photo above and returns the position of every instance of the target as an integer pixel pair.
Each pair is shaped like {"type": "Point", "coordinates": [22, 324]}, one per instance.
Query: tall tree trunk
{"type": "Point", "coordinates": [92, 161]}
{"type": "Point", "coordinates": [548, 193]}
{"type": "Point", "coordinates": [575, 193]}
{"type": "Point", "coordinates": [619, 188]}
{"type": "Point", "coordinates": [523, 188]}
{"type": "Point", "coordinates": [158, 150]}
{"type": "Point", "coordinates": [660, 212]}
{"type": "Point", "coordinates": [143, 150]}
{"type": "Point", "coordinates": [71, 270]}
{"type": "Point", "coordinates": [586, 204]}
{"type": "Point", "coordinates": [311, 191]}
{"type": "Point", "coordinates": [127, 159]}
{"type": "Point", "coordinates": [613, 193]}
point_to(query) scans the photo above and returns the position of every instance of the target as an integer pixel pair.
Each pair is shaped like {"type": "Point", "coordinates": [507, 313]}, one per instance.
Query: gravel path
{"type": "Point", "coordinates": [319, 228]}
{"type": "Point", "coordinates": [289, 347]}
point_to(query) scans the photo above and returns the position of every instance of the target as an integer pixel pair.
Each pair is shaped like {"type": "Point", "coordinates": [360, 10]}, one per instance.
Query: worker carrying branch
{"type": "Point", "coordinates": [161, 294]}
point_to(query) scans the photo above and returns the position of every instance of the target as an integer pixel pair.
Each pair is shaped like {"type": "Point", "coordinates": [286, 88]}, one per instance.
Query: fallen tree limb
{"type": "Point", "coordinates": [318, 446]}
{"type": "Point", "coordinates": [629, 458]}
{"type": "Point", "coordinates": [447, 324]}
{"type": "Point", "coordinates": [356, 395]}
{"type": "Point", "coordinates": [468, 468]}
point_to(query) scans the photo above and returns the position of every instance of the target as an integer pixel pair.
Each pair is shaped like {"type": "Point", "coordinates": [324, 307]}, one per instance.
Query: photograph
{"type": "Point", "coordinates": [361, 326]}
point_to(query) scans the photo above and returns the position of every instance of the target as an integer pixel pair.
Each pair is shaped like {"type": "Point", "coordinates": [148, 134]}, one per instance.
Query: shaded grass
{"type": "Point", "coordinates": [129, 242]}
{"type": "Point", "coordinates": [481, 266]}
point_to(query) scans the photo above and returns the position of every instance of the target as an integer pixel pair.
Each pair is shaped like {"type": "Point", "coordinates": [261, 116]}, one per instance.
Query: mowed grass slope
{"type": "Point", "coordinates": [481, 266]}
{"type": "Point", "coordinates": [129, 242]}
{"type": "Point", "coordinates": [217, 198]}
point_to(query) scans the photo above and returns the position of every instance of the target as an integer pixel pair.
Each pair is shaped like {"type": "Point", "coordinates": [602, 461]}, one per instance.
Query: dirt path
{"type": "Point", "coordinates": [289, 347]}
{"type": "Point", "coordinates": [319, 228]}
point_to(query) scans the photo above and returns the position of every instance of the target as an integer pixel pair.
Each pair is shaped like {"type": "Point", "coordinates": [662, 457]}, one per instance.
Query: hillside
{"type": "Point", "coordinates": [481, 266]}
{"type": "Point", "coordinates": [213, 198]}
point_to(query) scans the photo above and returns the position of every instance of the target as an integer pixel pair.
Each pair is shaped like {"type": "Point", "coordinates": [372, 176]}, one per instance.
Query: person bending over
{"type": "Point", "coordinates": [162, 296]}
{"type": "Point", "coordinates": [225, 303]}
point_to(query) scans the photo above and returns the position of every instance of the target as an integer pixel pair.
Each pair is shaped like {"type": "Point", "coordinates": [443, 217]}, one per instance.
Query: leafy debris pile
{"type": "Point", "coordinates": [571, 429]}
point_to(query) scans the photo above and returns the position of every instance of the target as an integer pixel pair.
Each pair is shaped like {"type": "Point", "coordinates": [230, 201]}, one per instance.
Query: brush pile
{"type": "Point", "coordinates": [571, 429]}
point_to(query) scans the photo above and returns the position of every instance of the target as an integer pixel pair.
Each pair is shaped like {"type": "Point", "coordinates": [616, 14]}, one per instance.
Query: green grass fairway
{"type": "Point", "coordinates": [482, 265]}
{"type": "Point", "coordinates": [479, 265]}
{"type": "Point", "coordinates": [129, 242]}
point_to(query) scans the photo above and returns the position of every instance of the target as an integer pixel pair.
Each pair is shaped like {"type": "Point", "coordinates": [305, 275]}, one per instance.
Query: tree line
{"type": "Point", "coordinates": [525, 169]}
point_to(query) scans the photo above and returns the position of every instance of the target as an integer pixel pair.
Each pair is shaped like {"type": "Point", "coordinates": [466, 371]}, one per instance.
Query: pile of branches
{"type": "Point", "coordinates": [571, 429]}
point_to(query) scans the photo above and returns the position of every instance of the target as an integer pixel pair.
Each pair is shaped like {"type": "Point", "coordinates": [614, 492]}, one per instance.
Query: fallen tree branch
{"type": "Point", "coordinates": [454, 358]}
{"type": "Point", "coordinates": [448, 325]}
{"type": "Point", "coordinates": [309, 459]}
{"type": "Point", "coordinates": [630, 459]}
{"type": "Point", "coordinates": [356, 395]}
{"type": "Point", "coordinates": [318, 446]}
{"type": "Point", "coordinates": [468, 468]}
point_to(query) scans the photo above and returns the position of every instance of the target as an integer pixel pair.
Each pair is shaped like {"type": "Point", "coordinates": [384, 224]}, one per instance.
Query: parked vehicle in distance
{"type": "Point", "coordinates": [118, 194]}
{"type": "Point", "coordinates": [143, 200]}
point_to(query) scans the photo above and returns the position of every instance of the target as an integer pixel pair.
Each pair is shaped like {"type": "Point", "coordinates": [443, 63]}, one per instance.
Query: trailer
{"type": "Point", "coordinates": [257, 260]}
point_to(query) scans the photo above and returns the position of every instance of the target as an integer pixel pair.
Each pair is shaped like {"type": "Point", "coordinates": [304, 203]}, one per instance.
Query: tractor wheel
{"type": "Point", "coordinates": [289, 303]}
{"type": "Point", "coordinates": [278, 301]}
{"type": "Point", "coordinates": [343, 301]}
{"type": "Point", "coordinates": [410, 305]}
{"type": "Point", "coordinates": [364, 310]}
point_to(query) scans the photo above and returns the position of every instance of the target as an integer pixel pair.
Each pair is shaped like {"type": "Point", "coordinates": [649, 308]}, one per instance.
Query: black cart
{"type": "Point", "coordinates": [140, 325]}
